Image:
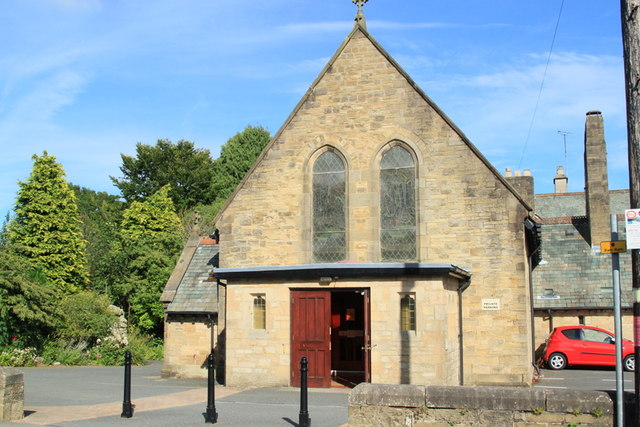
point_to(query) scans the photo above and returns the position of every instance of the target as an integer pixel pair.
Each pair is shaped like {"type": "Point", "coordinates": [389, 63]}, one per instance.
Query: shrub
{"type": "Point", "coordinates": [84, 317]}
{"type": "Point", "coordinates": [107, 353]}
{"type": "Point", "coordinates": [65, 353]}
{"type": "Point", "coordinates": [15, 356]}
{"type": "Point", "coordinates": [144, 347]}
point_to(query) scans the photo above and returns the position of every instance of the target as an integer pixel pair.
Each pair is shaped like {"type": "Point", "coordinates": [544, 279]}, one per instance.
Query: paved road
{"type": "Point", "coordinates": [92, 396]}
{"type": "Point", "coordinates": [584, 379]}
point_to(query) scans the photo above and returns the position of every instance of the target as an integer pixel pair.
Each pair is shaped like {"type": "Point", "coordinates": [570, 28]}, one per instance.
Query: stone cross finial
{"type": "Point", "coordinates": [360, 15]}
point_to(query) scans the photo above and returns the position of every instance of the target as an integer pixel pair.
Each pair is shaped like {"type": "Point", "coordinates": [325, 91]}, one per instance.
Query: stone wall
{"type": "Point", "coordinates": [409, 405]}
{"type": "Point", "coordinates": [11, 394]}
{"type": "Point", "coordinates": [187, 345]}
{"type": "Point", "coordinates": [428, 355]}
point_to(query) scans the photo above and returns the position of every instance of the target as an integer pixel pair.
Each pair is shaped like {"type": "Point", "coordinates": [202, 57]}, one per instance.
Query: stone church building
{"type": "Point", "coordinates": [371, 237]}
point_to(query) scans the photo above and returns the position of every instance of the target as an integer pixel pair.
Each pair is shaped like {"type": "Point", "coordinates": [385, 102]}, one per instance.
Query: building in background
{"type": "Point", "coordinates": [573, 283]}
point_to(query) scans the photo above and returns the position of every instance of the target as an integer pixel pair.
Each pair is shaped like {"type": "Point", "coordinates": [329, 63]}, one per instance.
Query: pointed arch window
{"type": "Point", "coordinates": [329, 194]}
{"type": "Point", "coordinates": [397, 205]}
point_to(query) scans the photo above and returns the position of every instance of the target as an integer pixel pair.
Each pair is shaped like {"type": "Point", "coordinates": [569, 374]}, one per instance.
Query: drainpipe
{"type": "Point", "coordinates": [532, 227]}
{"type": "Point", "coordinates": [461, 289]}
{"type": "Point", "coordinates": [532, 317]}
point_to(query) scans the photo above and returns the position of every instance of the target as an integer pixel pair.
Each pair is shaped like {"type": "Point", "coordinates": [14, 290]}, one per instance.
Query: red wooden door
{"type": "Point", "coordinates": [310, 337]}
{"type": "Point", "coordinates": [367, 337]}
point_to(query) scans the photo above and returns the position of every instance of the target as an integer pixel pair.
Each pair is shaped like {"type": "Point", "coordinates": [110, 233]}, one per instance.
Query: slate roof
{"type": "Point", "coordinates": [197, 290]}
{"type": "Point", "coordinates": [572, 275]}
{"type": "Point", "coordinates": [559, 205]}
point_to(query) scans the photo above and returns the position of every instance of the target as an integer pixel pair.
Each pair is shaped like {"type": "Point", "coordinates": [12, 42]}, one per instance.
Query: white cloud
{"type": "Point", "coordinates": [44, 100]}
{"type": "Point", "coordinates": [574, 84]}
{"type": "Point", "coordinates": [495, 108]}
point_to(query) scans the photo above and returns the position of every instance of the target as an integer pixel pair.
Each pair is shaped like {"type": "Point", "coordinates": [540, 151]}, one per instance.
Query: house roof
{"type": "Point", "coordinates": [574, 276]}
{"type": "Point", "coordinates": [170, 288]}
{"type": "Point", "coordinates": [358, 30]}
{"type": "Point", "coordinates": [197, 289]}
{"type": "Point", "coordinates": [561, 205]}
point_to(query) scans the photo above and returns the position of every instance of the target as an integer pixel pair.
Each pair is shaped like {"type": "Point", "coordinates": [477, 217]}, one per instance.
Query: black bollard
{"type": "Point", "coordinates": [127, 407]}
{"type": "Point", "coordinates": [211, 416]}
{"type": "Point", "coordinates": [303, 419]}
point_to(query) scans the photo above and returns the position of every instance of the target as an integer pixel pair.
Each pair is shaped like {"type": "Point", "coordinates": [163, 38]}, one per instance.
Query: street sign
{"type": "Point", "coordinates": [632, 221]}
{"type": "Point", "coordinates": [613, 247]}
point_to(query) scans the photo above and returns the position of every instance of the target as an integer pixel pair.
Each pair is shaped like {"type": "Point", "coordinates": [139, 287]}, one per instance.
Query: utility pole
{"type": "Point", "coordinates": [630, 17]}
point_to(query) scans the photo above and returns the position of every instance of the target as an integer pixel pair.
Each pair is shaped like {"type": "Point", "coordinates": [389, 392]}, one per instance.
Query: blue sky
{"type": "Point", "coordinates": [88, 79]}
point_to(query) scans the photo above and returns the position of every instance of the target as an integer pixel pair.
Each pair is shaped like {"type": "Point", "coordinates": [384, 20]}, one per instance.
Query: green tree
{"type": "Point", "coordinates": [27, 300]}
{"type": "Point", "coordinates": [46, 226]}
{"type": "Point", "coordinates": [151, 238]}
{"type": "Point", "coordinates": [236, 157]}
{"type": "Point", "coordinates": [100, 214]}
{"type": "Point", "coordinates": [187, 169]}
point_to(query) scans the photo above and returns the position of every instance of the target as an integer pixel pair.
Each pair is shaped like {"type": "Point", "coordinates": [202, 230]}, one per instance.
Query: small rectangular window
{"type": "Point", "coordinates": [259, 312]}
{"type": "Point", "coordinates": [408, 312]}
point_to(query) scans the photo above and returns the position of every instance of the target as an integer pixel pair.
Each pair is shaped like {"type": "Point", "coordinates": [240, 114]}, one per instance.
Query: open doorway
{"type": "Point", "coordinates": [348, 343]}
{"type": "Point", "coordinates": [331, 329]}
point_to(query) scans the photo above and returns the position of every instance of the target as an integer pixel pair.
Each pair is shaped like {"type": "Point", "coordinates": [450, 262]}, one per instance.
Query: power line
{"type": "Point", "coordinates": [535, 110]}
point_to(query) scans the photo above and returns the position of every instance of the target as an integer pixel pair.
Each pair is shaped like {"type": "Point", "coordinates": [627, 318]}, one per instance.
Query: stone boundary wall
{"type": "Point", "coordinates": [11, 394]}
{"type": "Point", "coordinates": [411, 405]}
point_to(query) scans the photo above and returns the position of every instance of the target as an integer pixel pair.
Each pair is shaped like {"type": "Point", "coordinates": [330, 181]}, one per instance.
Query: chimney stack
{"type": "Point", "coordinates": [560, 181]}
{"type": "Point", "coordinates": [522, 182]}
{"type": "Point", "coordinates": [596, 180]}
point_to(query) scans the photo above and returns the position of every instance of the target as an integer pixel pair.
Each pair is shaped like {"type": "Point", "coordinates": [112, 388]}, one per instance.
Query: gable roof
{"type": "Point", "coordinates": [191, 287]}
{"type": "Point", "coordinates": [359, 30]}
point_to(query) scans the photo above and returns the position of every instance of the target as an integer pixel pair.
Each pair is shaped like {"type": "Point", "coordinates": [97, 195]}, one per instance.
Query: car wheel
{"type": "Point", "coordinates": [557, 361]}
{"type": "Point", "coordinates": [630, 363]}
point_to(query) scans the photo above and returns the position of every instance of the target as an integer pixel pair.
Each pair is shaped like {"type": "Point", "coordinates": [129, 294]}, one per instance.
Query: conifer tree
{"type": "Point", "coordinates": [151, 239]}
{"type": "Point", "coordinates": [100, 214]}
{"type": "Point", "coordinates": [46, 226]}
{"type": "Point", "coordinates": [27, 303]}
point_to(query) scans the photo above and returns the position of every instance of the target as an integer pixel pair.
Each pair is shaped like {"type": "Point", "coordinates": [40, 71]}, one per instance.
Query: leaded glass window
{"type": "Point", "coordinates": [408, 312]}
{"type": "Point", "coordinates": [397, 205]}
{"type": "Point", "coordinates": [259, 312]}
{"type": "Point", "coordinates": [329, 242]}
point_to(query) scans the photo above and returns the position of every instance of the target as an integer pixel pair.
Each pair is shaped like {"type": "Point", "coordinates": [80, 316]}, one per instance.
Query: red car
{"type": "Point", "coordinates": [585, 345]}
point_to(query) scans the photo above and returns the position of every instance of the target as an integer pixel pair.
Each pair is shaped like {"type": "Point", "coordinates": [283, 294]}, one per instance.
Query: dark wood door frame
{"type": "Point", "coordinates": [311, 308]}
